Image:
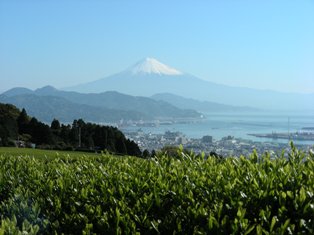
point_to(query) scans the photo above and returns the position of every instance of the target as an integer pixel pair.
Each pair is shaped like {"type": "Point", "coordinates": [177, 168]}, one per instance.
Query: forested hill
{"type": "Point", "coordinates": [48, 102]}
{"type": "Point", "coordinates": [17, 125]}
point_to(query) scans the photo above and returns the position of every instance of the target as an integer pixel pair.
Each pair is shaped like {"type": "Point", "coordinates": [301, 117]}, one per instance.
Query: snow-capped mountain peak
{"type": "Point", "coordinates": [153, 66]}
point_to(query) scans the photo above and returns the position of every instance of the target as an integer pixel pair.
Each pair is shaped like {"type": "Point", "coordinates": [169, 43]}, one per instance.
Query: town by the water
{"type": "Point", "coordinates": [226, 146]}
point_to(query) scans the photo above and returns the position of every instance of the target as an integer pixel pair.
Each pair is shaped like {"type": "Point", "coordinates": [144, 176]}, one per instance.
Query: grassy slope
{"type": "Point", "coordinates": [12, 151]}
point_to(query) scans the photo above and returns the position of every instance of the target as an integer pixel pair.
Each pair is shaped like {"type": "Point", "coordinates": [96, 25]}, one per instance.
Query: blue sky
{"type": "Point", "coordinates": [258, 44]}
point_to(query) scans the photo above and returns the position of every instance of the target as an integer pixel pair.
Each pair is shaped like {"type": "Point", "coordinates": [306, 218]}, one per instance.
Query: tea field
{"type": "Point", "coordinates": [49, 192]}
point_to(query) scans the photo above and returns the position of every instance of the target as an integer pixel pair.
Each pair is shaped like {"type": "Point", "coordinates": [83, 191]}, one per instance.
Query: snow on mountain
{"type": "Point", "coordinates": [152, 66]}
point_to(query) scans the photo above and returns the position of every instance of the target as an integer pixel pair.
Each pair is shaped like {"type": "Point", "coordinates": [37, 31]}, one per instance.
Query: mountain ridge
{"type": "Point", "coordinates": [46, 108]}
{"type": "Point", "coordinates": [189, 86]}
{"type": "Point", "coordinates": [150, 109]}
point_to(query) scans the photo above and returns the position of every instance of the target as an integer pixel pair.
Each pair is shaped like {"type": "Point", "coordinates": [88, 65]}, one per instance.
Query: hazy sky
{"type": "Point", "coordinates": [260, 44]}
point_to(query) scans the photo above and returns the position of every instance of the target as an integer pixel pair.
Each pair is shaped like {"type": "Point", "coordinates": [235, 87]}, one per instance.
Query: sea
{"type": "Point", "coordinates": [239, 125]}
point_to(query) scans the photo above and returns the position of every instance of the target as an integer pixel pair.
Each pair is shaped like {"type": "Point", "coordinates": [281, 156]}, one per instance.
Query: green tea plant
{"type": "Point", "coordinates": [186, 194]}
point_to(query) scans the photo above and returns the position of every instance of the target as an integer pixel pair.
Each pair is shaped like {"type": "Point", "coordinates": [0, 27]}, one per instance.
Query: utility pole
{"type": "Point", "coordinates": [79, 136]}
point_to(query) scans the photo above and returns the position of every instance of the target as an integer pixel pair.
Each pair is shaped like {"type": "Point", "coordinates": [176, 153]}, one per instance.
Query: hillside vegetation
{"type": "Point", "coordinates": [17, 128]}
{"type": "Point", "coordinates": [186, 194]}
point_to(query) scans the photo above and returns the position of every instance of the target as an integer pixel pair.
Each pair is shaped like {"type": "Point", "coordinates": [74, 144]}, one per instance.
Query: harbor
{"type": "Point", "coordinates": [305, 134]}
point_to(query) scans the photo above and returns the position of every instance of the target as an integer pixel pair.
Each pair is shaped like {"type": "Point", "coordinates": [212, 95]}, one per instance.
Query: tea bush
{"type": "Point", "coordinates": [188, 194]}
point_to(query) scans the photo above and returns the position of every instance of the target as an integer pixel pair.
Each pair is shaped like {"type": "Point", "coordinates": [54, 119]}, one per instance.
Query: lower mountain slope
{"type": "Point", "coordinates": [148, 107]}
{"type": "Point", "coordinates": [46, 108]}
{"type": "Point", "coordinates": [201, 106]}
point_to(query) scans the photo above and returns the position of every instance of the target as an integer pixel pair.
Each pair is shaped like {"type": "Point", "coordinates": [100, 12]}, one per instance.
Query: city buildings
{"type": "Point", "coordinates": [227, 146]}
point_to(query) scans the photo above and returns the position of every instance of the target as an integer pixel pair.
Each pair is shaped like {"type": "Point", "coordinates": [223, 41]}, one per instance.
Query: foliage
{"type": "Point", "coordinates": [15, 124]}
{"type": "Point", "coordinates": [187, 194]}
{"type": "Point", "coordinates": [8, 124]}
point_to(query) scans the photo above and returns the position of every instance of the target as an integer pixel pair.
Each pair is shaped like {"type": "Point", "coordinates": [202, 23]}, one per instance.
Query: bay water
{"type": "Point", "coordinates": [240, 125]}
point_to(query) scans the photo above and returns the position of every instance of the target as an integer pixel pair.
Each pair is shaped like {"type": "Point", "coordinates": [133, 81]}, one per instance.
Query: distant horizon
{"type": "Point", "coordinates": [260, 45]}
{"type": "Point", "coordinates": [63, 88]}
{"type": "Point", "coordinates": [262, 111]}
{"type": "Point", "coordinates": [33, 88]}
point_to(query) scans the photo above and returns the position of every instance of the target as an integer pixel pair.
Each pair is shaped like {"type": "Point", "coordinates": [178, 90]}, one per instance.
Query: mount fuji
{"type": "Point", "coordinates": [149, 77]}
{"type": "Point", "coordinates": [145, 78]}
{"type": "Point", "coordinates": [152, 66]}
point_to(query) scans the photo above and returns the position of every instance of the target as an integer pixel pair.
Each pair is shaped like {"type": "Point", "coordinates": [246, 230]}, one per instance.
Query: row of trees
{"type": "Point", "coordinates": [16, 125]}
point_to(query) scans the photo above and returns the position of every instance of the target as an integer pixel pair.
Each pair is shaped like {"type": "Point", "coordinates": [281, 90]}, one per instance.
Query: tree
{"type": "Point", "coordinates": [65, 133]}
{"type": "Point", "coordinates": [91, 144]}
{"type": "Point", "coordinates": [55, 125]}
{"type": "Point", "coordinates": [22, 122]}
{"type": "Point", "coordinates": [120, 146]}
{"type": "Point", "coordinates": [40, 132]}
{"type": "Point", "coordinates": [8, 123]}
{"type": "Point", "coordinates": [133, 148]}
{"type": "Point", "coordinates": [146, 154]}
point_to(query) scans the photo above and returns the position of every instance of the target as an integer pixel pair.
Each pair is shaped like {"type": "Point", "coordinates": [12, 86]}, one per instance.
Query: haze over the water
{"type": "Point", "coordinates": [256, 44]}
